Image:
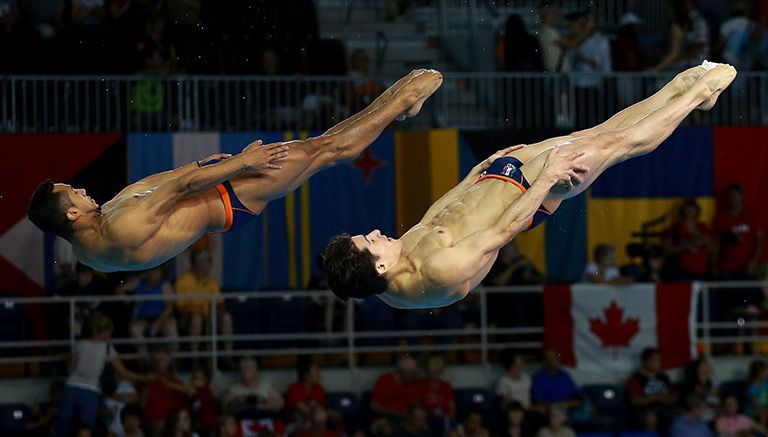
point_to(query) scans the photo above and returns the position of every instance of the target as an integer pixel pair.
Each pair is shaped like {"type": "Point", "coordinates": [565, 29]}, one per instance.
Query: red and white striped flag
{"type": "Point", "coordinates": [603, 328]}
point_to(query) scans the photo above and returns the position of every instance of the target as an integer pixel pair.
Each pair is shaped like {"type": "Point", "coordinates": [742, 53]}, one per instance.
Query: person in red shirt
{"type": "Point", "coordinates": [435, 393]}
{"type": "Point", "coordinates": [395, 391]}
{"type": "Point", "coordinates": [740, 239]}
{"type": "Point", "coordinates": [166, 394]}
{"type": "Point", "coordinates": [689, 243]}
{"type": "Point", "coordinates": [303, 394]}
{"type": "Point", "coordinates": [204, 411]}
{"type": "Point", "coordinates": [317, 425]}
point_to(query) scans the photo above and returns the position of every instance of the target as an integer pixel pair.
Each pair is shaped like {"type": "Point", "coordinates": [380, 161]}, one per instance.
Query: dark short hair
{"type": "Point", "coordinates": [734, 187]}
{"type": "Point", "coordinates": [47, 210]}
{"type": "Point", "coordinates": [648, 353]}
{"type": "Point", "coordinates": [303, 365]}
{"type": "Point", "coordinates": [130, 410]}
{"type": "Point", "coordinates": [351, 272]}
{"type": "Point", "coordinates": [601, 251]}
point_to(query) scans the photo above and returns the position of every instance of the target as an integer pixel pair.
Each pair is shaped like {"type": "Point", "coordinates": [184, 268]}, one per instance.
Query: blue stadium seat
{"type": "Point", "coordinates": [286, 315]}
{"type": "Point", "coordinates": [12, 323]}
{"type": "Point", "coordinates": [375, 315]}
{"type": "Point", "coordinates": [638, 434]}
{"type": "Point", "coordinates": [345, 403]}
{"type": "Point", "coordinates": [13, 418]}
{"type": "Point", "coordinates": [594, 434]}
{"type": "Point", "coordinates": [609, 404]}
{"type": "Point", "coordinates": [479, 399]}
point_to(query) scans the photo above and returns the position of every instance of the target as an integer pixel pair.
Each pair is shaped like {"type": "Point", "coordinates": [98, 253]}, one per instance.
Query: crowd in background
{"type": "Point", "coordinates": [102, 396]}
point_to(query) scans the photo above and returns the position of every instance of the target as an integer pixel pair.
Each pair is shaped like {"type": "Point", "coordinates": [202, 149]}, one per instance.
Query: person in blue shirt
{"type": "Point", "coordinates": [553, 385]}
{"type": "Point", "coordinates": [691, 424]}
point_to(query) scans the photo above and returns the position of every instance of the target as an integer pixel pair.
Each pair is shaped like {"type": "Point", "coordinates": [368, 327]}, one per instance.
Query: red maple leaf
{"type": "Point", "coordinates": [614, 331]}
{"type": "Point", "coordinates": [367, 163]}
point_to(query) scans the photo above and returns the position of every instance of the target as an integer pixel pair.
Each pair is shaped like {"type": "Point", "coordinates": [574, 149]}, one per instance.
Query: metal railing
{"type": "Point", "coordinates": [41, 104]}
{"type": "Point", "coordinates": [487, 323]}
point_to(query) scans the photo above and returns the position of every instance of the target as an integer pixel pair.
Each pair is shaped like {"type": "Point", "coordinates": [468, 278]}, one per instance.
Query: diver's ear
{"type": "Point", "coordinates": [73, 214]}
{"type": "Point", "coordinates": [381, 268]}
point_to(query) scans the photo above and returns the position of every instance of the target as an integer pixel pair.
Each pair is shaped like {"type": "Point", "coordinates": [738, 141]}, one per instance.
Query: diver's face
{"type": "Point", "coordinates": [385, 249]}
{"type": "Point", "coordinates": [78, 196]}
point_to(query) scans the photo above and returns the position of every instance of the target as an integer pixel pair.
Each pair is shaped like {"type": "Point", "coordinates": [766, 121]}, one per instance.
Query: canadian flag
{"type": "Point", "coordinates": [603, 328]}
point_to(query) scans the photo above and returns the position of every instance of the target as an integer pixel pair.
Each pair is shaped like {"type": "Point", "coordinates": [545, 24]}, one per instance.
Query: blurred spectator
{"type": "Point", "coordinates": [152, 317]}
{"type": "Point", "coordinates": [196, 312]}
{"type": "Point", "coordinates": [81, 398]}
{"type": "Point", "coordinates": [687, 39]}
{"type": "Point", "coordinates": [553, 385]}
{"type": "Point", "coordinates": [512, 268]}
{"type": "Point", "coordinates": [730, 422]}
{"type": "Point", "coordinates": [364, 88]}
{"type": "Point", "coordinates": [626, 46]}
{"type": "Point", "coordinates": [178, 424]}
{"type": "Point", "coordinates": [437, 397]}
{"type": "Point", "coordinates": [64, 261]}
{"type": "Point", "coordinates": [514, 385]}
{"type": "Point", "coordinates": [698, 381]}
{"type": "Point", "coordinates": [472, 426]}
{"type": "Point", "coordinates": [557, 426]}
{"type": "Point", "coordinates": [305, 393]}
{"type": "Point", "coordinates": [521, 49]}
{"type": "Point", "coordinates": [651, 394]}
{"type": "Point", "coordinates": [395, 391]}
{"type": "Point", "coordinates": [382, 427]}
{"type": "Point", "coordinates": [589, 60]}
{"type": "Point", "coordinates": [317, 424]}
{"type": "Point", "coordinates": [43, 416]}
{"type": "Point", "coordinates": [757, 391]}
{"type": "Point", "coordinates": [691, 423]}
{"type": "Point", "coordinates": [87, 12]}
{"type": "Point", "coordinates": [740, 239]}
{"type": "Point", "coordinates": [604, 270]}
{"type": "Point", "coordinates": [252, 391]}
{"type": "Point", "coordinates": [165, 395]}
{"type": "Point", "coordinates": [204, 410]}
{"type": "Point", "coordinates": [552, 43]}
{"type": "Point", "coordinates": [87, 282]}
{"type": "Point", "coordinates": [737, 43]}
{"type": "Point", "coordinates": [157, 40]}
{"type": "Point", "coordinates": [516, 423]}
{"type": "Point", "coordinates": [414, 424]}
{"type": "Point", "coordinates": [689, 243]}
{"type": "Point", "coordinates": [124, 394]}
{"type": "Point", "coordinates": [228, 426]}
{"type": "Point", "coordinates": [130, 422]}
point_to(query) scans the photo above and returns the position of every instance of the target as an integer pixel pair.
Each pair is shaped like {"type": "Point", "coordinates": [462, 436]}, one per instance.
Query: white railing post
{"type": "Point", "coordinates": [706, 333]}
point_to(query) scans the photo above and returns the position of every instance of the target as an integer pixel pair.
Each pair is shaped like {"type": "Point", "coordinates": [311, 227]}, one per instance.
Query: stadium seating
{"type": "Point", "coordinates": [638, 434]}
{"type": "Point", "coordinates": [609, 403]}
{"type": "Point", "coordinates": [737, 387]}
{"type": "Point", "coordinates": [345, 403]}
{"type": "Point", "coordinates": [595, 434]}
{"type": "Point", "coordinates": [476, 399]}
{"type": "Point", "coordinates": [12, 326]}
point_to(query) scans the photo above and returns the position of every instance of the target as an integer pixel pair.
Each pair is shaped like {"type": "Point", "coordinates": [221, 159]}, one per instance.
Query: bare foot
{"type": "Point", "coordinates": [717, 80]}
{"type": "Point", "coordinates": [423, 86]}
{"type": "Point", "coordinates": [397, 86]}
{"type": "Point", "coordinates": [685, 79]}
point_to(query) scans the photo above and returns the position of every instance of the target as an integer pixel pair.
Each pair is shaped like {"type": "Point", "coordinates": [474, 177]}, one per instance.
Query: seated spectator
{"type": "Point", "coordinates": [512, 268]}
{"type": "Point", "coordinates": [81, 397]}
{"type": "Point", "coordinates": [698, 381]}
{"type": "Point", "coordinates": [228, 426]}
{"type": "Point", "coordinates": [166, 394]}
{"type": "Point", "coordinates": [382, 427]}
{"type": "Point", "coordinates": [516, 423]}
{"type": "Point", "coordinates": [196, 312]}
{"type": "Point", "coordinates": [472, 426]}
{"type": "Point", "coordinates": [514, 385]}
{"type": "Point", "coordinates": [691, 423]}
{"type": "Point", "coordinates": [178, 424]}
{"type": "Point", "coordinates": [604, 270]}
{"type": "Point", "coordinates": [130, 422]}
{"type": "Point", "coordinates": [153, 316]}
{"type": "Point", "coordinates": [87, 282]}
{"type": "Point", "coordinates": [115, 401]}
{"type": "Point", "coordinates": [758, 392]}
{"type": "Point", "coordinates": [689, 243]}
{"type": "Point", "coordinates": [395, 391]}
{"type": "Point", "coordinates": [731, 423]}
{"type": "Point", "coordinates": [305, 393]}
{"type": "Point", "coordinates": [317, 424]}
{"type": "Point", "coordinates": [687, 39]}
{"type": "Point", "coordinates": [740, 238]}
{"type": "Point", "coordinates": [735, 43]}
{"type": "Point", "coordinates": [414, 424]}
{"type": "Point", "coordinates": [42, 417]}
{"type": "Point", "coordinates": [553, 385]}
{"type": "Point", "coordinates": [364, 87]}
{"type": "Point", "coordinates": [252, 391]}
{"type": "Point", "coordinates": [557, 424]}
{"type": "Point", "coordinates": [436, 394]}
{"type": "Point", "coordinates": [204, 409]}
{"type": "Point", "coordinates": [651, 395]}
